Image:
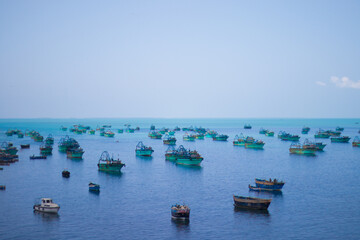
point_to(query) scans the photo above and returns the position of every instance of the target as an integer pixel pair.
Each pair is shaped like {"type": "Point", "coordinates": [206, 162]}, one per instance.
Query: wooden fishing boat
{"type": "Point", "coordinates": [269, 133]}
{"type": "Point", "coordinates": [38, 138]}
{"type": "Point", "coordinates": [269, 185]}
{"type": "Point", "coordinates": [102, 133]}
{"type": "Point", "coordinates": [108, 164]}
{"type": "Point", "coordinates": [49, 140]}
{"type": "Point", "coordinates": [130, 130]}
{"type": "Point", "coordinates": [339, 129]}
{"type": "Point", "coordinates": [67, 143]}
{"type": "Point", "coordinates": [63, 128]}
{"type": "Point", "coordinates": [171, 154]}
{"type": "Point", "coordinates": [181, 212]}
{"type": "Point", "coordinates": [262, 131]}
{"type": "Point", "coordinates": [109, 134]}
{"type": "Point", "coordinates": [356, 142]}
{"type": "Point", "coordinates": [199, 136]}
{"type": "Point", "coordinates": [20, 135]}
{"type": "Point", "coordinates": [257, 144]}
{"type": "Point", "coordinates": [169, 140]}
{"type": "Point", "coordinates": [75, 153]}
{"type": "Point", "coordinates": [2, 187]}
{"type": "Point", "coordinates": [142, 150]}
{"type": "Point", "coordinates": [305, 130]}
{"type": "Point", "coordinates": [33, 157]}
{"type": "Point", "coordinates": [220, 137]}
{"type": "Point", "coordinates": [120, 130]}
{"type": "Point", "coordinates": [211, 134]}
{"type": "Point", "coordinates": [92, 132]}
{"type": "Point", "coordinates": [155, 135]}
{"type": "Point", "coordinates": [183, 156]}
{"type": "Point", "coordinates": [343, 139]}
{"type": "Point", "coordinates": [93, 187]}
{"type": "Point", "coordinates": [8, 148]}
{"type": "Point", "coordinates": [46, 149]}
{"type": "Point", "coordinates": [288, 137]}
{"type": "Point", "coordinates": [189, 137]}
{"type": "Point", "coordinates": [47, 206]}
{"type": "Point", "coordinates": [251, 203]}
{"type": "Point", "coordinates": [65, 174]}
{"type": "Point", "coordinates": [247, 126]}
{"type": "Point", "coordinates": [297, 148]}
{"type": "Point", "coordinates": [239, 140]}
{"type": "Point", "coordinates": [176, 129]}
{"type": "Point", "coordinates": [319, 146]}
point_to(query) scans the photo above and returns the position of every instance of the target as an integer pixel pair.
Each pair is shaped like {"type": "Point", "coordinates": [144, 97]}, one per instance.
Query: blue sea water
{"type": "Point", "coordinates": [320, 199]}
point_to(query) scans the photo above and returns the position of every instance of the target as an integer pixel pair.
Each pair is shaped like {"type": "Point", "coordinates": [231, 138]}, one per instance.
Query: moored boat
{"type": "Point", "coordinates": [63, 128]}
{"type": "Point", "coordinates": [49, 140]}
{"type": "Point", "coordinates": [220, 137]}
{"type": "Point", "coordinates": [247, 126]}
{"type": "Point", "coordinates": [288, 137]}
{"type": "Point", "coordinates": [67, 143]}
{"type": "Point", "coordinates": [269, 133]}
{"type": "Point", "coordinates": [257, 144]}
{"type": "Point", "coordinates": [93, 187]}
{"type": "Point", "coordinates": [109, 134]}
{"type": "Point", "coordinates": [297, 148]}
{"type": "Point", "coordinates": [65, 174]}
{"type": "Point", "coordinates": [142, 150]}
{"type": "Point", "coordinates": [181, 212]}
{"type": "Point", "coordinates": [46, 149]}
{"type": "Point", "coordinates": [200, 136]}
{"type": "Point", "coordinates": [189, 137]}
{"type": "Point", "coordinates": [356, 142]}
{"type": "Point", "coordinates": [47, 206]}
{"type": "Point", "coordinates": [75, 153]}
{"type": "Point", "coordinates": [251, 203]}
{"type": "Point", "coordinates": [169, 140]}
{"type": "Point", "coordinates": [339, 129]}
{"type": "Point", "coordinates": [25, 146]}
{"type": "Point", "coordinates": [262, 131]}
{"type": "Point", "coordinates": [319, 146]}
{"type": "Point", "coordinates": [270, 185]}
{"type": "Point", "coordinates": [92, 132]}
{"type": "Point", "coordinates": [8, 148]}
{"type": "Point", "coordinates": [305, 130]}
{"type": "Point", "coordinates": [343, 139]}
{"type": "Point", "coordinates": [183, 156]}
{"type": "Point", "coordinates": [33, 157]}
{"type": "Point", "coordinates": [108, 164]}
{"type": "Point", "coordinates": [152, 127]}
{"type": "Point", "coordinates": [210, 134]}
{"type": "Point", "coordinates": [155, 135]}
{"type": "Point", "coordinates": [239, 140]}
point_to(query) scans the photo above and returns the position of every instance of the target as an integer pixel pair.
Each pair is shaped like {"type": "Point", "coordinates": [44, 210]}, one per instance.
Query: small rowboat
{"type": "Point", "coordinates": [33, 157]}
{"type": "Point", "coordinates": [25, 146]}
{"type": "Point", "coordinates": [251, 203]}
{"type": "Point", "coordinates": [94, 187]}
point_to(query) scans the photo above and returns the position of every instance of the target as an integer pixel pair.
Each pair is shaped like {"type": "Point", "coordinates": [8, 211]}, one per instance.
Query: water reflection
{"type": "Point", "coordinates": [47, 217]}
{"type": "Point", "coordinates": [144, 158]}
{"type": "Point", "coordinates": [194, 168]}
{"type": "Point", "coordinates": [252, 212]}
{"type": "Point", "coordinates": [275, 194]}
{"type": "Point", "coordinates": [181, 224]}
{"type": "Point", "coordinates": [113, 174]}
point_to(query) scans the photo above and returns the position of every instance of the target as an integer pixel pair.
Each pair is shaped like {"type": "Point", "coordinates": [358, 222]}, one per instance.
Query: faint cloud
{"type": "Point", "coordinates": [345, 82]}
{"type": "Point", "coordinates": [320, 83]}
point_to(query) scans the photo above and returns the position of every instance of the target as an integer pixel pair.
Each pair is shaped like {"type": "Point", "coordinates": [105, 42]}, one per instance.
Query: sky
{"type": "Point", "coordinates": [179, 59]}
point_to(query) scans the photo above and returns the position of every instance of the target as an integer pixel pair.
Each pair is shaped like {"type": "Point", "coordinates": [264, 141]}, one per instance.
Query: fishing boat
{"type": "Point", "coordinates": [176, 129]}
{"type": "Point", "coordinates": [49, 140]}
{"type": "Point", "coordinates": [297, 148]}
{"type": "Point", "coordinates": [155, 135]}
{"type": "Point", "coordinates": [169, 140]}
{"type": "Point", "coordinates": [120, 130]}
{"type": "Point", "coordinates": [319, 146]}
{"type": "Point", "coordinates": [247, 126]}
{"type": "Point", "coordinates": [320, 134]}
{"type": "Point", "coordinates": [269, 185]}
{"type": "Point", "coordinates": [305, 130]}
{"type": "Point", "coordinates": [2, 187]}
{"type": "Point", "coordinates": [189, 137]}
{"type": "Point", "coordinates": [38, 138]}
{"type": "Point", "coordinates": [257, 144]}
{"type": "Point", "coordinates": [171, 133]}
{"type": "Point", "coordinates": [239, 140]}
{"type": "Point", "coordinates": [343, 139]}
{"type": "Point", "coordinates": [33, 157]}
{"type": "Point", "coordinates": [25, 146]}
{"type": "Point", "coordinates": [188, 157]}
{"type": "Point", "coordinates": [65, 174]}
{"type": "Point", "coordinates": [142, 150]}
{"type": "Point", "coordinates": [109, 134]}
{"type": "Point", "coordinates": [356, 142]}
{"type": "Point", "coordinates": [8, 148]}
{"type": "Point", "coordinates": [339, 129]}
{"type": "Point", "coordinates": [63, 128]}
{"type": "Point", "coordinates": [75, 153]}
{"type": "Point", "coordinates": [130, 130]}
{"type": "Point", "coordinates": [20, 135]}
{"type": "Point", "coordinates": [67, 143]}
{"type": "Point", "coordinates": [108, 126]}
{"type": "Point", "coordinates": [6, 159]}
{"type": "Point", "coordinates": [171, 154]}
{"type": "Point", "coordinates": [220, 137]}
{"type": "Point", "coordinates": [269, 133]}
{"type": "Point", "coordinates": [108, 164]}
{"type": "Point", "coordinates": [262, 131]}
{"type": "Point", "coordinates": [47, 206]}
{"type": "Point", "coordinates": [137, 128]}
{"type": "Point", "coordinates": [211, 134]}
{"type": "Point", "coordinates": [93, 187]}
{"type": "Point", "coordinates": [288, 137]}
{"type": "Point", "coordinates": [200, 136]}
{"type": "Point", "coordinates": [92, 132]}
{"type": "Point", "coordinates": [181, 212]}
{"type": "Point", "coordinates": [251, 203]}
{"type": "Point", "coordinates": [102, 133]}
{"type": "Point", "coordinates": [46, 149]}
{"type": "Point", "coordinates": [152, 127]}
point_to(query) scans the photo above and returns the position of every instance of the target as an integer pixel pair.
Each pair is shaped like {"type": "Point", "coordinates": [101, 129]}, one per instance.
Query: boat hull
{"type": "Point", "coordinates": [110, 168]}
{"type": "Point", "coordinates": [254, 146]}
{"type": "Point", "coordinates": [301, 151]}
{"type": "Point", "coordinates": [251, 203]}
{"type": "Point", "coordinates": [270, 186]}
{"type": "Point", "coordinates": [189, 161]}
{"type": "Point", "coordinates": [45, 209]}
{"type": "Point", "coordinates": [144, 153]}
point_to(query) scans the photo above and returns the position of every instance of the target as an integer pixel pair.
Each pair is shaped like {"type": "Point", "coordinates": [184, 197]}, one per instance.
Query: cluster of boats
{"type": "Point", "coordinates": [248, 142]}
{"type": "Point", "coordinates": [8, 154]}
{"type": "Point", "coordinates": [71, 147]}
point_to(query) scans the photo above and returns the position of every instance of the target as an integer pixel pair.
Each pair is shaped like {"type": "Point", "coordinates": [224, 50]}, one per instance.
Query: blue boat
{"type": "Point", "coordinates": [269, 185]}
{"type": "Point", "coordinates": [251, 203]}
{"type": "Point", "coordinates": [94, 187]}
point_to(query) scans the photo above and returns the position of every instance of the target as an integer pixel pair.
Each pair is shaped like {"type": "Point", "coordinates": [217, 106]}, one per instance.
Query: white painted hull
{"type": "Point", "coordinates": [46, 209]}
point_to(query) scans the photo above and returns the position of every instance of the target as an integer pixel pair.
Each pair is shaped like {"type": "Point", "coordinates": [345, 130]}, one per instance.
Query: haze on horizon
{"type": "Point", "coordinates": [179, 59]}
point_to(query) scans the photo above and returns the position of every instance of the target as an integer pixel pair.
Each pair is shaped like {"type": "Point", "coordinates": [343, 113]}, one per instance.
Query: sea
{"type": "Point", "coordinates": [320, 198]}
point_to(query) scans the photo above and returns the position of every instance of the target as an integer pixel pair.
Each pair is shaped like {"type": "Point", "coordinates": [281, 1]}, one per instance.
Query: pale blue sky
{"type": "Point", "coordinates": [179, 59]}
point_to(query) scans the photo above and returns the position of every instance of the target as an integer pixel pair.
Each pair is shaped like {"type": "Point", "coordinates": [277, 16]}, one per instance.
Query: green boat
{"type": "Point", "coordinates": [75, 153]}
{"type": "Point", "coordinates": [8, 148]}
{"type": "Point", "coordinates": [319, 146]}
{"type": "Point", "coordinates": [200, 136]}
{"type": "Point", "coordinates": [305, 130]}
{"type": "Point", "coordinates": [169, 140]}
{"type": "Point", "coordinates": [20, 135]}
{"type": "Point", "coordinates": [356, 142]}
{"type": "Point", "coordinates": [92, 132]}
{"type": "Point", "coordinates": [120, 130]}
{"type": "Point", "coordinates": [221, 137]}
{"type": "Point", "coordinates": [257, 144]}
{"type": "Point", "coordinates": [49, 140]}
{"type": "Point", "coordinates": [343, 139]}
{"type": "Point", "coordinates": [262, 131]}
{"type": "Point", "coordinates": [155, 135]}
{"type": "Point", "coordinates": [38, 138]}
{"type": "Point", "coordinates": [143, 151]}
{"type": "Point", "coordinates": [247, 126]}
{"type": "Point", "coordinates": [321, 135]}
{"type": "Point", "coordinates": [171, 133]}
{"type": "Point", "coordinates": [171, 154]}
{"type": "Point", "coordinates": [339, 129]}
{"type": "Point", "coordinates": [46, 150]}
{"type": "Point", "coordinates": [239, 140]}
{"type": "Point", "coordinates": [297, 148]}
{"type": "Point", "coordinates": [183, 156]}
{"type": "Point", "coordinates": [9, 132]}
{"type": "Point", "coordinates": [107, 164]}
{"type": "Point", "coordinates": [63, 128]}
{"type": "Point", "coordinates": [269, 133]}
{"type": "Point", "coordinates": [288, 137]}
{"type": "Point", "coordinates": [102, 133]}
{"type": "Point", "coordinates": [109, 134]}
{"type": "Point", "coordinates": [130, 130]}
{"type": "Point", "coordinates": [210, 134]}
{"type": "Point", "coordinates": [67, 143]}
{"type": "Point", "coordinates": [189, 137]}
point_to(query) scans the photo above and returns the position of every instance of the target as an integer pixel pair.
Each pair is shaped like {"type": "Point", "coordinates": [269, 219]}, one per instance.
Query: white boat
{"type": "Point", "coordinates": [47, 206]}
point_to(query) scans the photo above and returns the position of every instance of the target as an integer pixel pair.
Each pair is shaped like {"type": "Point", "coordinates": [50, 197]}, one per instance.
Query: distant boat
{"type": "Point", "coordinates": [256, 144]}
{"type": "Point", "coordinates": [49, 140]}
{"type": "Point", "coordinates": [65, 174]}
{"type": "Point", "coordinates": [142, 150]}
{"type": "Point", "coordinates": [33, 157]}
{"type": "Point", "coordinates": [343, 139]}
{"type": "Point", "coordinates": [269, 133]}
{"type": "Point", "coordinates": [251, 203]}
{"type": "Point", "coordinates": [262, 131]}
{"type": "Point", "coordinates": [169, 140]}
{"type": "Point", "coordinates": [210, 134]}
{"type": "Point", "coordinates": [220, 137]}
{"type": "Point", "coordinates": [25, 146]}
{"type": "Point", "coordinates": [2, 187]}
{"type": "Point", "coordinates": [155, 135]}
{"type": "Point", "coordinates": [109, 134]}
{"type": "Point", "coordinates": [305, 130]}
{"type": "Point", "coordinates": [356, 142]}
{"type": "Point", "coordinates": [92, 132]}
{"type": "Point", "coordinates": [47, 206]}
{"type": "Point", "coordinates": [46, 149]}
{"type": "Point", "coordinates": [181, 212]}
{"type": "Point", "coordinates": [152, 127]}
{"type": "Point", "coordinates": [189, 137]}
{"type": "Point", "coordinates": [75, 153]}
{"type": "Point", "coordinates": [247, 126]}
{"type": "Point", "coordinates": [94, 187]}
{"type": "Point", "coordinates": [288, 137]}
{"type": "Point", "coordinates": [270, 185]}
{"type": "Point", "coordinates": [339, 129]}
{"type": "Point", "coordinates": [297, 148]}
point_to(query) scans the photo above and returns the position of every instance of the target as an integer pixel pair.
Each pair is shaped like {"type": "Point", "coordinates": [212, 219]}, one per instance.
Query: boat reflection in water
{"type": "Point", "coordinates": [254, 212]}
{"type": "Point", "coordinates": [47, 217]}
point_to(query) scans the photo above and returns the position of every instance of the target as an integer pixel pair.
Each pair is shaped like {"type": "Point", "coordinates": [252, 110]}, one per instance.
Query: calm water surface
{"type": "Point", "coordinates": [320, 199]}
